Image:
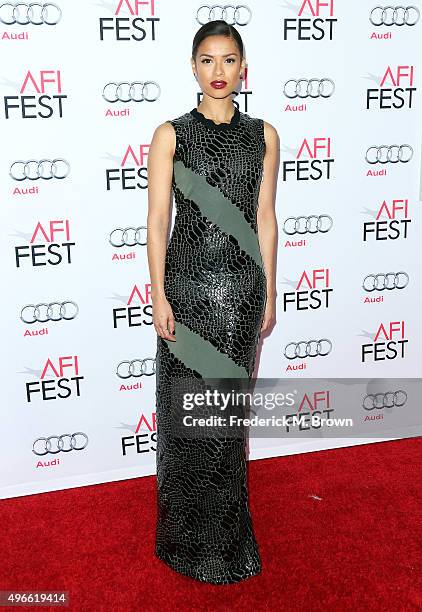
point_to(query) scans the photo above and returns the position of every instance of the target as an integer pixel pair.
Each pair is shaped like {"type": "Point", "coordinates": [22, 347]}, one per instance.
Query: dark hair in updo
{"type": "Point", "coordinates": [218, 27]}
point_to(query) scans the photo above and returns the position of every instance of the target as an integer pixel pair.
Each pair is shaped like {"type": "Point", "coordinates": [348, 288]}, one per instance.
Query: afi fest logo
{"type": "Point", "coordinates": [133, 20]}
{"type": "Point", "coordinates": [395, 89]}
{"type": "Point", "coordinates": [55, 250]}
{"type": "Point", "coordinates": [317, 403]}
{"type": "Point", "coordinates": [311, 293]}
{"type": "Point", "coordinates": [394, 227]}
{"type": "Point", "coordinates": [145, 433]}
{"type": "Point", "coordinates": [389, 343]}
{"type": "Point", "coordinates": [47, 101]}
{"type": "Point", "coordinates": [316, 164]}
{"type": "Point", "coordinates": [318, 26]}
{"type": "Point", "coordinates": [63, 380]}
{"type": "Point", "coordinates": [137, 315]}
{"type": "Point", "coordinates": [132, 173]}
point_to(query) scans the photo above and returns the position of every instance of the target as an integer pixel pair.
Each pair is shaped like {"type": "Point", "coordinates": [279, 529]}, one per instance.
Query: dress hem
{"type": "Point", "coordinates": [224, 581]}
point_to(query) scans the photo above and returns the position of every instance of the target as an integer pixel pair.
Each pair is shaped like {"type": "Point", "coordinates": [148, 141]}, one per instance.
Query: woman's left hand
{"type": "Point", "coordinates": [269, 314]}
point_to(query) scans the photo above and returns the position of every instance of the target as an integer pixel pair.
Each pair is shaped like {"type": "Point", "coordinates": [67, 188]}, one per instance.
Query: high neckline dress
{"type": "Point", "coordinates": [216, 285]}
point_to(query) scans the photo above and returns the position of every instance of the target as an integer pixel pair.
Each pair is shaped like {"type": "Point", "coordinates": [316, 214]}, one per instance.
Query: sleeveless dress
{"type": "Point", "coordinates": [216, 285]}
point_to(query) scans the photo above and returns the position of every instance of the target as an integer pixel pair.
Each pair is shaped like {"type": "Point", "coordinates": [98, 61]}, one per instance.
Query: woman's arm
{"type": "Point", "coordinates": [160, 172]}
{"type": "Point", "coordinates": [266, 218]}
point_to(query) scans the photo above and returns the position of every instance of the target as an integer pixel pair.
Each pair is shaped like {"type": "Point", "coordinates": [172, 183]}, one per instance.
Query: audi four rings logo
{"type": "Point", "coordinates": [239, 15]}
{"type": "Point", "coordinates": [138, 91]}
{"type": "Point", "coordinates": [64, 443]}
{"type": "Point", "coordinates": [35, 13]}
{"type": "Point", "coordinates": [130, 236]}
{"type": "Point", "coordinates": [387, 280]}
{"type": "Point", "coordinates": [384, 400]}
{"type": "Point", "coordinates": [44, 169]}
{"type": "Point", "coordinates": [54, 311]}
{"type": "Point", "coordinates": [309, 88]}
{"type": "Point", "coordinates": [308, 348]}
{"type": "Point", "coordinates": [308, 225]}
{"type": "Point", "coordinates": [394, 15]}
{"type": "Point", "coordinates": [136, 368]}
{"type": "Point", "coordinates": [392, 154]}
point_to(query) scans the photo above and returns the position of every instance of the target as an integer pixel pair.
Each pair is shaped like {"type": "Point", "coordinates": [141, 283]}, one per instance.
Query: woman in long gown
{"type": "Point", "coordinates": [213, 293]}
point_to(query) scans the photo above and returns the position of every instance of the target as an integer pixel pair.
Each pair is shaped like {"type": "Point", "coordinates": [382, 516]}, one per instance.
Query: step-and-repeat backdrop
{"type": "Point", "coordinates": [83, 85]}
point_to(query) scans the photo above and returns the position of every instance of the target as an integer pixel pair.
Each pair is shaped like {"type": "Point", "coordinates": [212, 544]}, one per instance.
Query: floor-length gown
{"type": "Point", "coordinates": [216, 285]}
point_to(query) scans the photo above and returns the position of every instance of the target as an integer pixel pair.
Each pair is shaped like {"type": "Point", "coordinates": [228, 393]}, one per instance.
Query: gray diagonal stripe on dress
{"type": "Point", "coordinates": [202, 356]}
{"type": "Point", "coordinates": [217, 208]}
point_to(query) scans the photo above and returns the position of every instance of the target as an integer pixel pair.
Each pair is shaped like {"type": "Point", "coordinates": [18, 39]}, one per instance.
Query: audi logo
{"type": "Point", "coordinates": [64, 443]}
{"type": "Point", "coordinates": [384, 400]}
{"type": "Point", "coordinates": [394, 15]}
{"type": "Point", "coordinates": [387, 280]}
{"type": "Point", "coordinates": [138, 91]}
{"type": "Point", "coordinates": [308, 348]}
{"type": "Point", "coordinates": [239, 15]}
{"type": "Point", "coordinates": [392, 154]}
{"type": "Point", "coordinates": [54, 311]}
{"type": "Point", "coordinates": [308, 225]}
{"type": "Point", "coordinates": [35, 13]}
{"type": "Point", "coordinates": [44, 169]}
{"type": "Point", "coordinates": [130, 236]}
{"type": "Point", "coordinates": [136, 368]}
{"type": "Point", "coordinates": [311, 88]}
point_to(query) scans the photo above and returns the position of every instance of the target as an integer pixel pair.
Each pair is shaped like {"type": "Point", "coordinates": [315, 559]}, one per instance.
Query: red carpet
{"type": "Point", "coordinates": [338, 530]}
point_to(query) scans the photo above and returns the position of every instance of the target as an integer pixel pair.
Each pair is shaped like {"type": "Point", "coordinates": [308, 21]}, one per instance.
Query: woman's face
{"type": "Point", "coordinates": [218, 66]}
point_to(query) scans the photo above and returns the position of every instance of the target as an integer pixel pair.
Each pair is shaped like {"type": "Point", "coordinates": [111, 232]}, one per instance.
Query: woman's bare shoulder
{"type": "Point", "coordinates": [270, 130]}
{"type": "Point", "coordinates": [164, 137]}
{"type": "Point", "coordinates": [165, 129]}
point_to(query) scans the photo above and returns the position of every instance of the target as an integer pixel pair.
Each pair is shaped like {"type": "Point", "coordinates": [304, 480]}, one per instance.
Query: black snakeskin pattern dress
{"type": "Point", "coordinates": [216, 285]}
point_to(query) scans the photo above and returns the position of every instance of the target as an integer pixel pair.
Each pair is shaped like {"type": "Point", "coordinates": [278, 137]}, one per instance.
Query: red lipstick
{"type": "Point", "coordinates": [218, 84]}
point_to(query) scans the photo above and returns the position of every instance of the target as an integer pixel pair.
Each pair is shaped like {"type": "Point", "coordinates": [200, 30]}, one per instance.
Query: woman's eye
{"type": "Point", "coordinates": [207, 59]}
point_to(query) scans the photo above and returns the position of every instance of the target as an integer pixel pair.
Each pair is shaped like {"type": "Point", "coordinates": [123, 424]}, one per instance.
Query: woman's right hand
{"type": "Point", "coordinates": [163, 319]}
